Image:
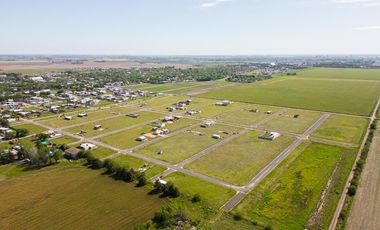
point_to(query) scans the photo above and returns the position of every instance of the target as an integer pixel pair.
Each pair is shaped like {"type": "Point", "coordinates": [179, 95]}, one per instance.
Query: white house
{"type": "Point", "coordinates": [87, 146]}
{"type": "Point", "coordinates": [270, 136]}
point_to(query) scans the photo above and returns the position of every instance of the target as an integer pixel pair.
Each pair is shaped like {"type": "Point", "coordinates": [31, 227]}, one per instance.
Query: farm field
{"type": "Point", "coordinates": [239, 160]}
{"type": "Point", "coordinates": [336, 73]}
{"type": "Point", "coordinates": [350, 97]}
{"type": "Point", "coordinates": [182, 146]}
{"type": "Point", "coordinates": [81, 198]}
{"type": "Point", "coordinates": [127, 139]}
{"type": "Point", "coordinates": [32, 129]}
{"type": "Point", "coordinates": [342, 129]}
{"type": "Point", "coordinates": [113, 124]}
{"type": "Point", "coordinates": [135, 163]}
{"type": "Point", "coordinates": [287, 197]}
{"type": "Point", "coordinates": [287, 121]}
{"type": "Point", "coordinates": [59, 122]}
{"type": "Point", "coordinates": [245, 117]}
{"type": "Point", "coordinates": [215, 110]}
{"type": "Point", "coordinates": [212, 194]}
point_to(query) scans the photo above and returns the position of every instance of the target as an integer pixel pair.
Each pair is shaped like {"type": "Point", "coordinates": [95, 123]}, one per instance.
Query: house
{"type": "Point", "coordinates": [269, 136]}
{"type": "Point", "coordinates": [82, 115]}
{"type": "Point", "coordinates": [268, 112]}
{"type": "Point", "coordinates": [254, 110]}
{"type": "Point", "coordinates": [162, 181]}
{"type": "Point", "coordinates": [68, 118]}
{"type": "Point", "coordinates": [133, 115]}
{"type": "Point", "coordinates": [223, 103]}
{"type": "Point", "coordinates": [216, 136]}
{"type": "Point", "coordinates": [97, 127]}
{"type": "Point", "coordinates": [141, 138]}
{"type": "Point", "coordinates": [87, 146]}
{"type": "Point", "coordinates": [168, 118]}
{"type": "Point", "coordinates": [53, 134]}
{"type": "Point", "coordinates": [72, 153]}
{"type": "Point", "coordinates": [207, 124]}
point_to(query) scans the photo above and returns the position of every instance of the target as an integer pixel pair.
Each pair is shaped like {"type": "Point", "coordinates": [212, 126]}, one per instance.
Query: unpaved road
{"type": "Point", "coordinates": [365, 213]}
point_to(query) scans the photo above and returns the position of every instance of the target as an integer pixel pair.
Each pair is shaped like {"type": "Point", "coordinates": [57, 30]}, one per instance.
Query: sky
{"type": "Point", "coordinates": [190, 27]}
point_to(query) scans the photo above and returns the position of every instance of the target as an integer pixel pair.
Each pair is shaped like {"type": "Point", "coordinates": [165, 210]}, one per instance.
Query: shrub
{"type": "Point", "coordinates": [196, 198]}
{"type": "Point", "coordinates": [237, 217]}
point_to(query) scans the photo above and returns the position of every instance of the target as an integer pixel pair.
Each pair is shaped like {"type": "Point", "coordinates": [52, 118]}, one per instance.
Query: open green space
{"type": "Point", "coordinates": [130, 162]}
{"type": "Point", "coordinates": [248, 118]}
{"type": "Point", "coordinates": [127, 139]}
{"type": "Point", "coordinates": [294, 121]}
{"type": "Point", "coordinates": [182, 146]}
{"type": "Point", "coordinates": [113, 124]}
{"type": "Point", "coordinates": [212, 194]}
{"type": "Point", "coordinates": [32, 129]}
{"type": "Point", "coordinates": [342, 129]}
{"type": "Point", "coordinates": [287, 197]}
{"type": "Point", "coordinates": [239, 160]}
{"type": "Point", "coordinates": [351, 97]}
{"type": "Point", "coordinates": [65, 140]}
{"type": "Point", "coordinates": [338, 73]}
{"type": "Point", "coordinates": [160, 103]}
{"type": "Point", "coordinates": [73, 198]}
{"type": "Point", "coordinates": [217, 110]}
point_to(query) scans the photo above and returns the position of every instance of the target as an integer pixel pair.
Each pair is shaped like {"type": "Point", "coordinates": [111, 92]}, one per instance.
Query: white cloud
{"type": "Point", "coordinates": [213, 3]}
{"type": "Point", "coordinates": [358, 2]}
{"type": "Point", "coordinates": [368, 28]}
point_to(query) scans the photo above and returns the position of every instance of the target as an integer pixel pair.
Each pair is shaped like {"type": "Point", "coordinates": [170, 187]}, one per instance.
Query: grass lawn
{"type": "Point", "coordinates": [73, 198]}
{"type": "Point", "coordinates": [114, 124]}
{"type": "Point", "coordinates": [184, 145]}
{"type": "Point", "coordinates": [336, 73]}
{"type": "Point", "coordinates": [211, 194]}
{"type": "Point", "coordinates": [100, 152]}
{"type": "Point", "coordinates": [215, 110]}
{"type": "Point", "coordinates": [59, 122]}
{"type": "Point", "coordinates": [245, 117]}
{"type": "Point", "coordinates": [32, 129]}
{"type": "Point", "coordinates": [287, 121]}
{"type": "Point", "coordinates": [351, 97]}
{"type": "Point", "coordinates": [160, 103]}
{"type": "Point", "coordinates": [342, 129]}
{"type": "Point", "coordinates": [239, 160]}
{"type": "Point", "coordinates": [135, 163]}
{"type": "Point", "coordinates": [287, 197]}
{"type": "Point", "coordinates": [127, 139]}
{"type": "Point", "coordinates": [65, 140]}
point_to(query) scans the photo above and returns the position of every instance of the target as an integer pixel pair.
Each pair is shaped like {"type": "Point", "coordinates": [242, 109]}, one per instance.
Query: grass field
{"type": "Point", "coordinates": [245, 117]}
{"type": "Point", "coordinates": [212, 194]}
{"type": "Point", "coordinates": [165, 87]}
{"type": "Point", "coordinates": [342, 129]}
{"type": "Point", "coordinates": [65, 140]}
{"type": "Point", "coordinates": [60, 122]}
{"type": "Point", "coordinates": [127, 139]}
{"type": "Point", "coordinates": [239, 160]}
{"type": "Point", "coordinates": [214, 110]}
{"type": "Point", "coordinates": [73, 198]}
{"type": "Point", "coordinates": [32, 129]}
{"type": "Point", "coordinates": [101, 152]}
{"type": "Point", "coordinates": [114, 124]}
{"type": "Point", "coordinates": [287, 121]}
{"type": "Point", "coordinates": [135, 163]}
{"type": "Point", "coordinates": [336, 73]}
{"type": "Point", "coordinates": [288, 196]}
{"type": "Point", "coordinates": [184, 145]}
{"type": "Point", "coordinates": [351, 97]}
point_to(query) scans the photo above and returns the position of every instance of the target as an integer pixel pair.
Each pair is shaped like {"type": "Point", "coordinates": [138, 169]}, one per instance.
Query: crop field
{"type": "Point", "coordinates": [136, 163]}
{"type": "Point", "coordinates": [32, 129]}
{"type": "Point", "coordinates": [336, 73]}
{"type": "Point", "coordinates": [342, 129]}
{"type": "Point", "coordinates": [215, 110]}
{"type": "Point", "coordinates": [113, 124]}
{"type": "Point", "coordinates": [294, 121]}
{"type": "Point", "coordinates": [73, 198]}
{"type": "Point", "coordinates": [288, 196]}
{"type": "Point", "coordinates": [127, 139]}
{"type": "Point", "coordinates": [59, 121]}
{"type": "Point", "coordinates": [182, 146]}
{"type": "Point", "coordinates": [351, 97]}
{"type": "Point", "coordinates": [239, 160]}
{"type": "Point", "coordinates": [245, 117]}
{"type": "Point", "coordinates": [212, 194]}
{"type": "Point", "coordinates": [65, 140]}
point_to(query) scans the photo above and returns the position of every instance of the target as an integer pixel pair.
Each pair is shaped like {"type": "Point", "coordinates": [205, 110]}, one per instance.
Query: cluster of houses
{"type": "Point", "coordinates": [159, 129]}
{"type": "Point", "coordinates": [73, 152]}
{"type": "Point", "coordinates": [181, 105]}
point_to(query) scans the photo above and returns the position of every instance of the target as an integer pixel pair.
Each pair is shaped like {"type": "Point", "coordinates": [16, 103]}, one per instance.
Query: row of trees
{"type": "Point", "coordinates": [248, 78]}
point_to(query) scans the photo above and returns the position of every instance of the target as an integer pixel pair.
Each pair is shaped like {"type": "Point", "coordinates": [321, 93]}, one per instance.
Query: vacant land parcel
{"type": "Point", "coordinates": [240, 159]}
{"type": "Point", "coordinates": [343, 96]}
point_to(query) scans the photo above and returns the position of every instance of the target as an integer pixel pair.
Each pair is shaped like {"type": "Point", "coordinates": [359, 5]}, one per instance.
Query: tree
{"type": "Point", "coordinates": [10, 135]}
{"type": "Point", "coordinates": [141, 180]}
{"type": "Point", "coordinates": [42, 136]}
{"type": "Point", "coordinates": [196, 198]}
{"type": "Point", "coordinates": [4, 123]}
{"type": "Point", "coordinates": [21, 132]}
{"type": "Point", "coordinates": [163, 217]}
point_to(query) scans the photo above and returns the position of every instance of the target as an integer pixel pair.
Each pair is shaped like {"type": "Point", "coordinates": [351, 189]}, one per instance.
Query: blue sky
{"type": "Point", "coordinates": [190, 27]}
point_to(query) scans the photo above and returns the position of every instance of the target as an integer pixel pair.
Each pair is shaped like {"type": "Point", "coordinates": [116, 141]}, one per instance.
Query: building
{"type": "Point", "coordinates": [72, 153]}
{"type": "Point", "coordinates": [216, 136]}
{"type": "Point", "coordinates": [223, 103]}
{"type": "Point", "coordinates": [207, 124]}
{"type": "Point", "coordinates": [269, 136]}
{"type": "Point", "coordinates": [87, 146]}
{"type": "Point", "coordinates": [141, 138]}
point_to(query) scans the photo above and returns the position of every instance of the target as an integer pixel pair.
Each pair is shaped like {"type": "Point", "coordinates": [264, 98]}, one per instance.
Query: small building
{"type": "Point", "coordinates": [133, 115]}
{"type": "Point", "coordinates": [88, 146]}
{"type": "Point", "coordinates": [68, 118]}
{"type": "Point", "coordinates": [162, 181]}
{"type": "Point", "coordinates": [254, 110]}
{"type": "Point", "coordinates": [97, 127]}
{"type": "Point", "coordinates": [82, 115]}
{"type": "Point", "coordinates": [207, 124]}
{"type": "Point", "coordinates": [72, 153]}
{"type": "Point", "coordinates": [168, 118]}
{"type": "Point", "coordinates": [223, 103]}
{"type": "Point", "coordinates": [268, 112]}
{"type": "Point", "coordinates": [141, 138]}
{"type": "Point", "coordinates": [269, 136]}
{"type": "Point", "coordinates": [216, 136]}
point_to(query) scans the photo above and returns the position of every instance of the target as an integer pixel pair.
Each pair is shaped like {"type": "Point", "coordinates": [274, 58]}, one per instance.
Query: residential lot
{"type": "Point", "coordinates": [65, 140]}
{"type": "Point", "coordinates": [239, 160]}
{"type": "Point", "coordinates": [217, 110]}
{"type": "Point", "coordinates": [294, 121]}
{"type": "Point", "coordinates": [182, 146]}
{"type": "Point", "coordinates": [113, 124]}
{"type": "Point", "coordinates": [342, 129]}
{"type": "Point", "coordinates": [32, 129]}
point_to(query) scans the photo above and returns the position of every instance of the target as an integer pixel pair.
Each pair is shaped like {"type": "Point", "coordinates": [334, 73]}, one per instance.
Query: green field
{"type": "Point", "coordinates": [127, 139]}
{"type": "Point", "coordinates": [336, 73]}
{"type": "Point", "coordinates": [114, 124]}
{"type": "Point", "coordinates": [239, 160]}
{"type": "Point", "coordinates": [135, 163]}
{"type": "Point", "coordinates": [342, 129]}
{"type": "Point", "coordinates": [32, 129]}
{"type": "Point", "coordinates": [184, 145]}
{"type": "Point", "coordinates": [73, 198]}
{"type": "Point", "coordinates": [59, 122]}
{"type": "Point", "coordinates": [212, 194]}
{"type": "Point", "coordinates": [101, 152]}
{"type": "Point", "coordinates": [287, 121]}
{"type": "Point", "coordinates": [215, 110]}
{"type": "Point", "coordinates": [165, 87]}
{"type": "Point", "coordinates": [65, 140]}
{"type": "Point", "coordinates": [287, 197]}
{"type": "Point", "coordinates": [245, 117]}
{"type": "Point", "coordinates": [343, 96]}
